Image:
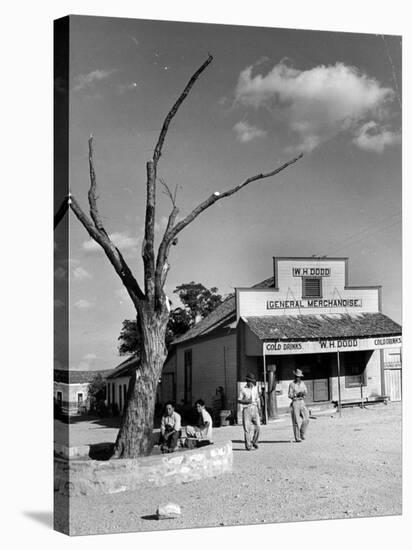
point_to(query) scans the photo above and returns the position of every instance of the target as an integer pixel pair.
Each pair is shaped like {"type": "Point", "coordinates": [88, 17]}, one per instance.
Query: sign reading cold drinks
{"type": "Point", "coordinates": [330, 346]}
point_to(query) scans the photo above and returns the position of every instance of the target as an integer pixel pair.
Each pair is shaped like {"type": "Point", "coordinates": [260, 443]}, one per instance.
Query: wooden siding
{"type": "Point", "coordinates": [209, 358]}
{"type": "Point", "coordinates": [253, 302]}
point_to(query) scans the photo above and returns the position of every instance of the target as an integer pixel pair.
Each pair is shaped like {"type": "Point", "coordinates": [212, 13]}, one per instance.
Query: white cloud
{"type": "Point", "coordinates": [316, 103]}
{"type": "Point", "coordinates": [83, 304]}
{"type": "Point", "coordinates": [246, 132]}
{"type": "Point", "coordinates": [82, 81]}
{"type": "Point", "coordinates": [87, 361]}
{"type": "Point", "coordinates": [80, 274]}
{"type": "Point", "coordinates": [122, 240]}
{"type": "Point", "coordinates": [372, 137]}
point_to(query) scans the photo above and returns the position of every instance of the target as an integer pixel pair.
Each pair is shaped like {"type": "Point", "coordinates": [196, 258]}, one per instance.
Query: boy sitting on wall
{"type": "Point", "coordinates": [202, 432]}
{"type": "Point", "coordinates": [170, 429]}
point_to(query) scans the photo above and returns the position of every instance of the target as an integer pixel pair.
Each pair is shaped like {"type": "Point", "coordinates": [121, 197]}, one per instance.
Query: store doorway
{"type": "Point", "coordinates": [317, 370]}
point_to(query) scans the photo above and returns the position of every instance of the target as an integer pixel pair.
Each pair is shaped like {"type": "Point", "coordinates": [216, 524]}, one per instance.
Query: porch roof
{"type": "Point", "coordinates": [127, 368]}
{"type": "Point", "coordinates": [313, 327]}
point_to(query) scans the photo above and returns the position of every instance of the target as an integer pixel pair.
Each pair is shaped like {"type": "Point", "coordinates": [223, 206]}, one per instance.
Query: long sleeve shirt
{"type": "Point", "coordinates": [173, 422]}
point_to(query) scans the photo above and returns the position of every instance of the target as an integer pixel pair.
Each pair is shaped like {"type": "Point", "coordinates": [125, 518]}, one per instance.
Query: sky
{"type": "Point", "coordinates": [268, 95]}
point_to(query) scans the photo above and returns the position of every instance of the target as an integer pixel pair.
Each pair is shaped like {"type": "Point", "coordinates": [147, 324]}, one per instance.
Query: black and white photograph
{"type": "Point", "coordinates": [206, 275]}
{"type": "Point", "coordinates": [227, 275]}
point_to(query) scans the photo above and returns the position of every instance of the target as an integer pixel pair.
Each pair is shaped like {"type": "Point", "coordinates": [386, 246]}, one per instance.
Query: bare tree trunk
{"type": "Point", "coordinates": [135, 434]}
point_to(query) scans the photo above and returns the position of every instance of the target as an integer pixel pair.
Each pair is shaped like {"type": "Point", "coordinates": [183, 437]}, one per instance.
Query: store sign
{"type": "Point", "coordinates": [330, 346]}
{"type": "Point", "coordinates": [311, 271]}
{"type": "Point", "coordinates": [314, 303]}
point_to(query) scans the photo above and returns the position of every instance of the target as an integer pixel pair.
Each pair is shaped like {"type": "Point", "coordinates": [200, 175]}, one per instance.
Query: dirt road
{"type": "Point", "coordinates": [347, 467]}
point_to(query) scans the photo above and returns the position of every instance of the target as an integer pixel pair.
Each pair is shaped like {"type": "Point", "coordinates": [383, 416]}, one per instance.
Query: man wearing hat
{"type": "Point", "coordinates": [250, 399]}
{"type": "Point", "coordinates": [300, 414]}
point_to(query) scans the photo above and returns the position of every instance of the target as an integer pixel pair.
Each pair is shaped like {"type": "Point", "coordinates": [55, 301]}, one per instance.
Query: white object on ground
{"type": "Point", "coordinates": [168, 511]}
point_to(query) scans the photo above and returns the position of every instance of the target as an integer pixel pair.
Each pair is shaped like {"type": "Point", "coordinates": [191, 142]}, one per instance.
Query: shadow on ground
{"type": "Point", "coordinates": [44, 518]}
{"type": "Point", "coordinates": [101, 451]}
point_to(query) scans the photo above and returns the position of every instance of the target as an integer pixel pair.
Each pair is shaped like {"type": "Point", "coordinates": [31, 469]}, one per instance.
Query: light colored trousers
{"type": "Point", "coordinates": [300, 418]}
{"type": "Point", "coordinates": [250, 417]}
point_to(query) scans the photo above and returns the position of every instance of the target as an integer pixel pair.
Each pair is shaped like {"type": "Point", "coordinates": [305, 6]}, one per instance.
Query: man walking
{"type": "Point", "coordinates": [300, 414]}
{"type": "Point", "coordinates": [250, 399]}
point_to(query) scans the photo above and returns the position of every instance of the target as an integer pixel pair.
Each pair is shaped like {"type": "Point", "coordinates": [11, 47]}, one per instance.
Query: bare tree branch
{"type": "Point", "coordinates": [148, 242]}
{"type": "Point", "coordinates": [152, 274]}
{"type": "Point", "coordinates": [162, 266]}
{"type": "Point", "coordinates": [174, 109]}
{"type": "Point", "coordinates": [218, 196]}
{"type": "Point", "coordinates": [94, 213]}
{"type": "Point", "coordinates": [112, 252]}
{"type": "Point", "coordinates": [168, 192]}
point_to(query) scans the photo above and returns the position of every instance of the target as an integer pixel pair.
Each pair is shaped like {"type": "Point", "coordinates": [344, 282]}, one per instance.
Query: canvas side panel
{"type": "Point", "coordinates": [61, 247]}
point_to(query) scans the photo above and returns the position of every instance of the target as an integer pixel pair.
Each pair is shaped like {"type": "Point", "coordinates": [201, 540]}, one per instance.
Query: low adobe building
{"type": "Point", "coordinates": [305, 316]}
{"type": "Point", "coordinates": [71, 390]}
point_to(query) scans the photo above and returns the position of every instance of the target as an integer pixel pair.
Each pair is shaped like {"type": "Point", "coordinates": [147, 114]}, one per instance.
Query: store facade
{"type": "Point", "coordinates": [306, 316]}
{"type": "Point", "coordinates": [313, 320]}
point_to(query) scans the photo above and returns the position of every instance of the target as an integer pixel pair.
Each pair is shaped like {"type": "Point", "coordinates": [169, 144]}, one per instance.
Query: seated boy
{"type": "Point", "coordinates": [170, 429]}
{"type": "Point", "coordinates": [203, 430]}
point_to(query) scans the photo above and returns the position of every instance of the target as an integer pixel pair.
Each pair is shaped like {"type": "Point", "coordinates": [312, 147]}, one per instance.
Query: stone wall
{"type": "Point", "coordinates": [87, 477]}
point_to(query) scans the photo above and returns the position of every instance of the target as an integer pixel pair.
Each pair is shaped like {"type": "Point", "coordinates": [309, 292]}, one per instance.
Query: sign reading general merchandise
{"type": "Point", "coordinates": [329, 346]}
{"type": "Point", "coordinates": [314, 303]}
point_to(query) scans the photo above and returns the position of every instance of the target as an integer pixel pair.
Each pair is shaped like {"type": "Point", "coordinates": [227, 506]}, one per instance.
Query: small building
{"type": "Point", "coordinates": [71, 390]}
{"type": "Point", "coordinates": [305, 316]}
{"type": "Point", "coordinates": [117, 384]}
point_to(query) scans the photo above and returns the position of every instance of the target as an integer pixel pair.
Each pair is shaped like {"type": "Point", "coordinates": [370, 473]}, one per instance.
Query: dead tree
{"type": "Point", "coordinates": [134, 437]}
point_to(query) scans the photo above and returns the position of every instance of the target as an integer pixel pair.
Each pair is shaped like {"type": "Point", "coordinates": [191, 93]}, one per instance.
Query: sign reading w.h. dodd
{"type": "Point", "coordinates": [330, 346]}
{"type": "Point", "coordinates": [311, 271]}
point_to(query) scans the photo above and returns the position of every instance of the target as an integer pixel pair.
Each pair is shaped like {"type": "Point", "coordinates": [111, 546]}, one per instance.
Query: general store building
{"type": "Point", "coordinates": [305, 316]}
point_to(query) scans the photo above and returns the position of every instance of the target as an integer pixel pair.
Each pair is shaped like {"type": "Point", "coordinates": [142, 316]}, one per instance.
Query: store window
{"type": "Point", "coordinates": [311, 287]}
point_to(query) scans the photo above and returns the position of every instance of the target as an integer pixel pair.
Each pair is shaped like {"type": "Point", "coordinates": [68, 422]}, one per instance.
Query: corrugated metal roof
{"type": "Point", "coordinates": [224, 314]}
{"type": "Point", "coordinates": [307, 327]}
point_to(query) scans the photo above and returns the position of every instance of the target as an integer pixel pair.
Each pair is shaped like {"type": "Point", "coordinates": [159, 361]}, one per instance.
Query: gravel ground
{"type": "Point", "coordinates": [347, 467]}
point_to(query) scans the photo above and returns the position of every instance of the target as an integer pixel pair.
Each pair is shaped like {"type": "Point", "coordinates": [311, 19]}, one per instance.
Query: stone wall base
{"type": "Point", "coordinates": [92, 477]}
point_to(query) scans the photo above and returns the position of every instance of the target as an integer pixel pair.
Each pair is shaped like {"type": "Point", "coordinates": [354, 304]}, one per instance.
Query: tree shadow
{"type": "Point", "coordinates": [101, 451]}
{"type": "Point", "coordinates": [44, 518]}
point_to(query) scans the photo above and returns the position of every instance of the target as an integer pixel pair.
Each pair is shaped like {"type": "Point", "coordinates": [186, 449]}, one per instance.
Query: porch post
{"type": "Point", "coordinates": [265, 412]}
{"type": "Point", "coordinates": [339, 396]}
